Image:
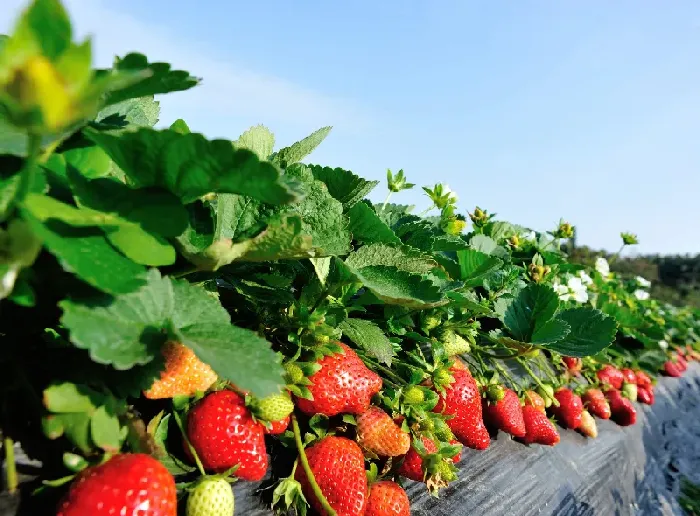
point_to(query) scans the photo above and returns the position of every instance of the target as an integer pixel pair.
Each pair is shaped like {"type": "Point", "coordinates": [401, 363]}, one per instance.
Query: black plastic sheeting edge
{"type": "Point", "coordinates": [633, 470]}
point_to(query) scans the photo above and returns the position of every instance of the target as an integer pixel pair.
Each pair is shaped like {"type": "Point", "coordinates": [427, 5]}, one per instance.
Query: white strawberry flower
{"type": "Point", "coordinates": [663, 344]}
{"type": "Point", "coordinates": [574, 289]}
{"type": "Point", "coordinates": [585, 278]}
{"type": "Point", "coordinates": [643, 282]}
{"type": "Point", "coordinates": [642, 295]}
{"type": "Point", "coordinates": [602, 266]}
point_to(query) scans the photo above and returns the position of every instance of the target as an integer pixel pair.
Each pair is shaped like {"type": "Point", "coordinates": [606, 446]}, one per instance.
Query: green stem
{"type": "Point", "coordinates": [198, 462]}
{"type": "Point", "coordinates": [26, 177]}
{"type": "Point", "coordinates": [506, 375]}
{"type": "Point", "coordinates": [523, 363]}
{"type": "Point", "coordinates": [425, 212]}
{"type": "Point", "coordinates": [386, 201]}
{"type": "Point", "coordinates": [616, 255]}
{"type": "Point", "coordinates": [307, 469]}
{"type": "Point", "coordinates": [10, 465]}
{"type": "Point", "coordinates": [395, 379]}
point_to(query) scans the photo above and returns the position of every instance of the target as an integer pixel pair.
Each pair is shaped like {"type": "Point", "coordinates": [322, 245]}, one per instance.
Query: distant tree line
{"type": "Point", "coordinates": [675, 278]}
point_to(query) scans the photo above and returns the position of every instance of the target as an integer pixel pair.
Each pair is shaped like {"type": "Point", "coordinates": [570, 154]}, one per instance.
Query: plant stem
{"type": "Point", "coordinates": [198, 462]}
{"type": "Point", "coordinates": [386, 201]}
{"type": "Point", "coordinates": [10, 465]}
{"type": "Point", "coordinates": [616, 255]}
{"type": "Point", "coordinates": [523, 363]}
{"type": "Point", "coordinates": [425, 212]}
{"type": "Point", "coordinates": [307, 469]}
{"type": "Point", "coordinates": [26, 177]}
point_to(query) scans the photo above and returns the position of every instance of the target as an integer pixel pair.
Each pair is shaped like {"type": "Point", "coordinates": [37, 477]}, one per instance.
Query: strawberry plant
{"type": "Point", "coordinates": [195, 306]}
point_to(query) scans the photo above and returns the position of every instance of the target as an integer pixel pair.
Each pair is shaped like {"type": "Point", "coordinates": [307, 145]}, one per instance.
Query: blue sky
{"type": "Point", "coordinates": [533, 109]}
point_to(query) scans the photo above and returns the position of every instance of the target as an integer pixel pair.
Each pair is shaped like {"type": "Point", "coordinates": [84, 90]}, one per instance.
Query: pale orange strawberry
{"type": "Point", "coordinates": [184, 374]}
{"type": "Point", "coordinates": [378, 433]}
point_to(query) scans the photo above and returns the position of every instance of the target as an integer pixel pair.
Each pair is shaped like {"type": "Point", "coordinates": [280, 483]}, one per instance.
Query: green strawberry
{"type": "Point", "coordinates": [442, 431]}
{"type": "Point", "coordinates": [454, 344]}
{"type": "Point", "coordinates": [212, 497]}
{"type": "Point", "coordinates": [294, 373]}
{"type": "Point", "coordinates": [413, 395]}
{"type": "Point", "coordinates": [274, 408]}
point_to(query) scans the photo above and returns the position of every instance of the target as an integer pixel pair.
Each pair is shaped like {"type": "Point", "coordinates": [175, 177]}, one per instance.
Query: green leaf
{"type": "Point", "coordinates": [171, 462]}
{"type": "Point", "coordinates": [142, 112]}
{"type": "Point", "coordinates": [369, 337]}
{"type": "Point", "coordinates": [591, 332]}
{"type": "Point", "coordinates": [394, 286]}
{"type": "Point", "coordinates": [427, 237]}
{"type": "Point", "coordinates": [159, 78]}
{"type": "Point", "coordinates": [487, 245]}
{"type": "Point", "coordinates": [174, 161]}
{"type": "Point", "coordinates": [475, 266]}
{"type": "Point", "coordinates": [367, 228]}
{"type": "Point", "coordinates": [69, 397]}
{"type": "Point", "coordinates": [343, 185]}
{"type": "Point", "coordinates": [550, 332]}
{"type": "Point", "coordinates": [299, 150]}
{"type": "Point", "coordinates": [180, 126]}
{"type": "Point", "coordinates": [533, 307]}
{"type": "Point", "coordinates": [46, 23]}
{"type": "Point", "coordinates": [322, 216]}
{"type": "Point", "coordinates": [257, 139]}
{"type": "Point", "coordinates": [402, 257]}
{"type": "Point", "coordinates": [86, 252]}
{"type": "Point", "coordinates": [105, 430]}
{"type": "Point", "coordinates": [91, 161]}
{"type": "Point", "coordinates": [127, 330]}
{"type": "Point", "coordinates": [322, 266]}
{"type": "Point", "coordinates": [77, 429]}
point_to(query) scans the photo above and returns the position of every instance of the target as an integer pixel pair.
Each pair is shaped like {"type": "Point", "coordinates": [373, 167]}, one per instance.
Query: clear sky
{"type": "Point", "coordinates": [534, 109]}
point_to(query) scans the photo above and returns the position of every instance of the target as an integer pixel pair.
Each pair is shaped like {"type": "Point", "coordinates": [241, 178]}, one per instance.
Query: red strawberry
{"type": "Point", "coordinates": [645, 395]}
{"type": "Point", "coordinates": [595, 402]}
{"type": "Point", "coordinates": [131, 483]}
{"type": "Point", "coordinates": [412, 465]}
{"type": "Point", "coordinates": [539, 429]}
{"type": "Point", "coordinates": [461, 399]}
{"type": "Point", "coordinates": [378, 433]}
{"type": "Point", "coordinates": [629, 376]}
{"type": "Point", "coordinates": [588, 426]}
{"type": "Point", "coordinates": [505, 414]}
{"type": "Point", "coordinates": [457, 457]}
{"type": "Point", "coordinates": [622, 409]}
{"type": "Point", "coordinates": [278, 427]}
{"type": "Point", "coordinates": [343, 385]}
{"type": "Point", "coordinates": [611, 376]}
{"type": "Point", "coordinates": [535, 400]}
{"type": "Point", "coordinates": [338, 465]}
{"type": "Point", "coordinates": [387, 498]}
{"type": "Point", "coordinates": [568, 413]}
{"type": "Point", "coordinates": [643, 379]}
{"type": "Point", "coordinates": [682, 362]}
{"type": "Point", "coordinates": [223, 433]}
{"type": "Point", "coordinates": [573, 364]}
{"type": "Point", "coordinates": [184, 374]}
{"type": "Point", "coordinates": [672, 369]}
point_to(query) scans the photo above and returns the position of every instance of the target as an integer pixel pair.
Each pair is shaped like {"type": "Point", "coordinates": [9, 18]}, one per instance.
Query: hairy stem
{"type": "Point", "coordinates": [307, 469]}
{"type": "Point", "coordinates": [26, 175]}
{"type": "Point", "coordinates": [198, 462]}
{"type": "Point", "coordinates": [386, 201]}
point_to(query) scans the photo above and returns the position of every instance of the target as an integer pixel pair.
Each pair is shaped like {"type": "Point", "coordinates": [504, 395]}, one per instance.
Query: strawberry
{"type": "Point", "coordinates": [387, 498]}
{"type": "Point", "coordinates": [535, 400]}
{"type": "Point", "coordinates": [378, 433]}
{"type": "Point", "coordinates": [629, 376]}
{"type": "Point", "coordinates": [539, 429]}
{"type": "Point", "coordinates": [130, 483]}
{"type": "Point", "coordinates": [595, 402]}
{"type": "Point", "coordinates": [645, 395]}
{"type": "Point", "coordinates": [611, 376]}
{"type": "Point", "coordinates": [457, 457]}
{"type": "Point", "coordinates": [453, 343]}
{"type": "Point", "coordinates": [412, 465]}
{"type": "Point", "coordinates": [184, 374]}
{"type": "Point", "coordinates": [413, 395]}
{"type": "Point", "coordinates": [343, 385]}
{"type": "Point", "coordinates": [568, 413]}
{"type": "Point", "coordinates": [629, 391]}
{"type": "Point", "coordinates": [672, 369]}
{"type": "Point", "coordinates": [573, 364]}
{"type": "Point", "coordinates": [505, 414]}
{"type": "Point", "coordinates": [278, 427]}
{"type": "Point", "coordinates": [224, 434]}
{"type": "Point", "coordinates": [211, 497]}
{"type": "Point", "coordinates": [643, 379]}
{"type": "Point", "coordinates": [338, 466]}
{"type": "Point", "coordinates": [461, 399]}
{"type": "Point", "coordinates": [588, 426]}
{"type": "Point", "coordinates": [274, 412]}
{"type": "Point", "coordinates": [682, 362]}
{"type": "Point", "coordinates": [623, 412]}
